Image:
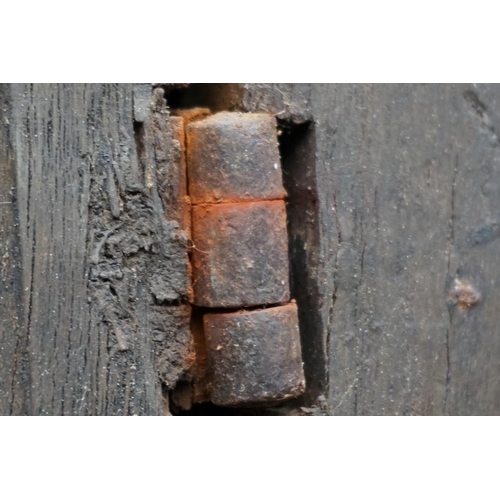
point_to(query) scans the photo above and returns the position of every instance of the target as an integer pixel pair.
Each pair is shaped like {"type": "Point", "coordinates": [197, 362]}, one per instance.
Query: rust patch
{"type": "Point", "coordinates": [254, 356]}
{"type": "Point", "coordinates": [191, 115]}
{"type": "Point", "coordinates": [176, 187]}
{"type": "Point", "coordinates": [239, 257]}
{"type": "Point", "coordinates": [240, 254]}
{"type": "Point", "coordinates": [234, 157]}
{"type": "Point", "coordinates": [200, 374]}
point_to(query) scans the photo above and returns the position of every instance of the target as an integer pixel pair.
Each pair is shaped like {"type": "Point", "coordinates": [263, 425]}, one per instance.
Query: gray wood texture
{"type": "Point", "coordinates": [14, 376]}
{"type": "Point", "coordinates": [103, 272]}
{"type": "Point", "coordinates": [394, 204]}
{"type": "Point", "coordinates": [407, 179]}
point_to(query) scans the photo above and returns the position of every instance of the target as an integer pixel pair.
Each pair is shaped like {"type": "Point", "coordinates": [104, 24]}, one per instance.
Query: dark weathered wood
{"type": "Point", "coordinates": [407, 183]}
{"type": "Point", "coordinates": [14, 376]}
{"type": "Point", "coordinates": [474, 334]}
{"type": "Point", "coordinates": [394, 205]}
{"type": "Point", "coordinates": [103, 271]}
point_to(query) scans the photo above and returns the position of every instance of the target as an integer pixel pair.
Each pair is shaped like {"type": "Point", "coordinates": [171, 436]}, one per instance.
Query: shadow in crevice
{"type": "Point", "coordinates": [297, 144]}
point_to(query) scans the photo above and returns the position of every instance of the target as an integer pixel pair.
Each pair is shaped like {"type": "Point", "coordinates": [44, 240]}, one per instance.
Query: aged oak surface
{"type": "Point", "coordinates": [407, 180]}
{"type": "Point", "coordinates": [13, 339]}
{"type": "Point", "coordinates": [103, 271]}
{"type": "Point", "coordinates": [394, 203]}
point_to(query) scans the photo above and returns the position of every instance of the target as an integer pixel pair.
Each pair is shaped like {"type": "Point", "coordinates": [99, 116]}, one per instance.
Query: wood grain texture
{"type": "Point", "coordinates": [397, 199]}
{"type": "Point", "coordinates": [104, 273]}
{"type": "Point", "coordinates": [407, 183]}
{"type": "Point", "coordinates": [14, 375]}
{"type": "Point", "coordinates": [474, 340]}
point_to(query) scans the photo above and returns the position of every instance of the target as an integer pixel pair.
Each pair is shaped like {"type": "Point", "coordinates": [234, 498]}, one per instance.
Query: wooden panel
{"type": "Point", "coordinates": [14, 376]}
{"type": "Point", "coordinates": [402, 201]}
{"type": "Point", "coordinates": [102, 267]}
{"type": "Point", "coordinates": [406, 183]}
{"type": "Point", "coordinates": [474, 340]}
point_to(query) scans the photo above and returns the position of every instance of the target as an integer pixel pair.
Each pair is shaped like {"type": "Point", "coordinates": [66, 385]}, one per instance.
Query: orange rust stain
{"type": "Point", "coordinates": [236, 218]}
{"type": "Point", "coordinates": [183, 205]}
{"type": "Point", "coordinates": [234, 157]}
{"type": "Point", "coordinates": [191, 115]}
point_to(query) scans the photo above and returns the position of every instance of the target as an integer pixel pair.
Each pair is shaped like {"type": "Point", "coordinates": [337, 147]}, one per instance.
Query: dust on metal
{"type": "Point", "coordinates": [255, 356]}
{"type": "Point", "coordinates": [239, 260]}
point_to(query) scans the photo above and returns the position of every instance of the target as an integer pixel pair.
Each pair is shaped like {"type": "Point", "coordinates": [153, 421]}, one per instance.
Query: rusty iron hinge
{"type": "Point", "coordinates": [240, 258]}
